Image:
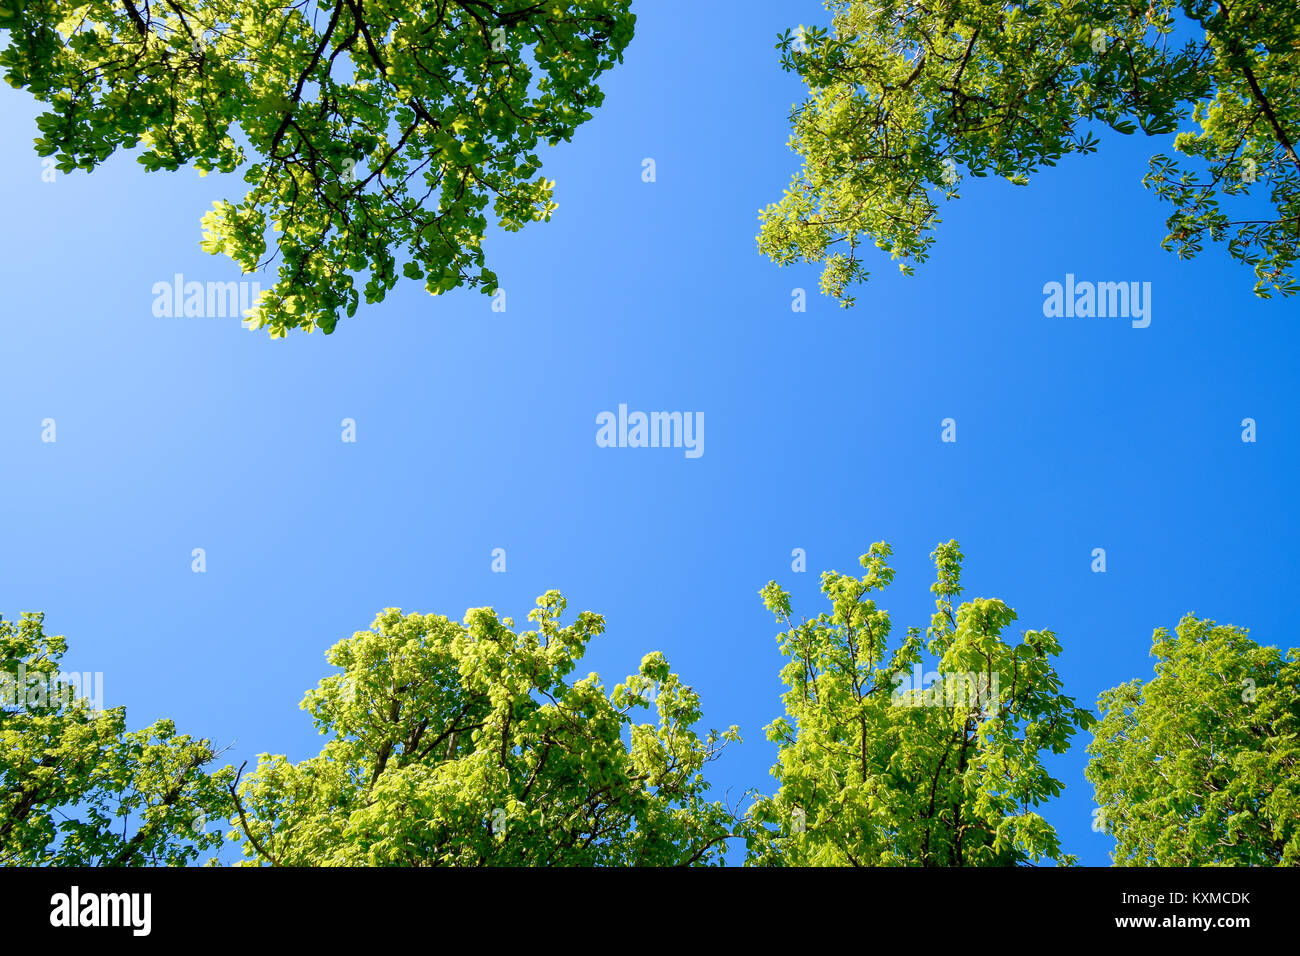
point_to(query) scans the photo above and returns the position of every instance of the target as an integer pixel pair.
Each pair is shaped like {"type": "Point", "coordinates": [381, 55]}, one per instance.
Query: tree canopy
{"type": "Point", "coordinates": [471, 744]}
{"type": "Point", "coordinates": [871, 774]}
{"type": "Point", "coordinates": [373, 134]}
{"type": "Point", "coordinates": [1200, 765]}
{"type": "Point", "coordinates": [905, 97]}
{"type": "Point", "coordinates": [465, 744]}
{"type": "Point", "coordinates": [78, 789]}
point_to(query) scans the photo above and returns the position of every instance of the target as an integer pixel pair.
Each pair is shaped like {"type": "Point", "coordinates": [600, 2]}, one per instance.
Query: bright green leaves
{"type": "Point", "coordinates": [78, 788]}
{"type": "Point", "coordinates": [873, 772]}
{"type": "Point", "coordinates": [379, 132]}
{"type": "Point", "coordinates": [468, 744]}
{"type": "Point", "coordinates": [905, 100]}
{"type": "Point", "coordinates": [1243, 187]}
{"type": "Point", "coordinates": [1200, 766]}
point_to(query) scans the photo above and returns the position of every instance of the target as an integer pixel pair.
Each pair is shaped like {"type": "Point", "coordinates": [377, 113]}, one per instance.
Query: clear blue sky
{"type": "Point", "coordinates": [476, 430]}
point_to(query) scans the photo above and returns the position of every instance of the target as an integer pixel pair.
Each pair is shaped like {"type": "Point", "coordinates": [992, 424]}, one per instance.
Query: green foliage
{"type": "Point", "coordinates": [871, 777]}
{"type": "Point", "coordinates": [1200, 766]}
{"type": "Point", "coordinates": [78, 789]}
{"type": "Point", "coordinates": [902, 96]}
{"type": "Point", "coordinates": [368, 130]}
{"type": "Point", "coordinates": [464, 744]}
{"type": "Point", "coordinates": [468, 744]}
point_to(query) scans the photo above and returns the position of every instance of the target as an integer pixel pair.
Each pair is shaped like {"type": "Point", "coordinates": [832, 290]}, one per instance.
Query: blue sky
{"type": "Point", "coordinates": [476, 430]}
